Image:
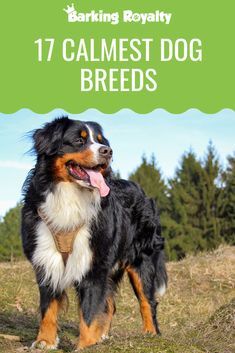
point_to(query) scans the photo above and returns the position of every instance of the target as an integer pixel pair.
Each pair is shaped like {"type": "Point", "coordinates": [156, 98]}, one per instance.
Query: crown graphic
{"type": "Point", "coordinates": [69, 9]}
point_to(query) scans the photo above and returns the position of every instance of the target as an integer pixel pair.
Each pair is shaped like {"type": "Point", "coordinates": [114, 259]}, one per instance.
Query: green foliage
{"type": "Point", "coordinates": [148, 176]}
{"type": "Point", "coordinates": [212, 199]}
{"type": "Point", "coordinates": [10, 242]}
{"type": "Point", "coordinates": [195, 199]}
{"type": "Point", "coordinates": [228, 204]}
{"type": "Point", "coordinates": [197, 206]}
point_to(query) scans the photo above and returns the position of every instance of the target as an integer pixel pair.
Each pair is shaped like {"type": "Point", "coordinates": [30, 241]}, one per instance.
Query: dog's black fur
{"type": "Point", "coordinates": [127, 231]}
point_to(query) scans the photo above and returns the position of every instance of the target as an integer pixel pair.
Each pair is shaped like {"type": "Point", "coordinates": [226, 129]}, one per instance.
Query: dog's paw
{"type": "Point", "coordinates": [44, 345]}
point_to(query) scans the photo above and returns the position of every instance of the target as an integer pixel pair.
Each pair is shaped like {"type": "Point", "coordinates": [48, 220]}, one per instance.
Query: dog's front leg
{"type": "Point", "coordinates": [49, 306]}
{"type": "Point", "coordinates": [93, 297]}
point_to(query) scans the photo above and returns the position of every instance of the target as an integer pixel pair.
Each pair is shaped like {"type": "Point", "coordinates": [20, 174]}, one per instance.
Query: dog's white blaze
{"type": "Point", "coordinates": [91, 135]}
{"type": "Point", "coordinates": [95, 146]}
{"type": "Point", "coordinates": [67, 206]}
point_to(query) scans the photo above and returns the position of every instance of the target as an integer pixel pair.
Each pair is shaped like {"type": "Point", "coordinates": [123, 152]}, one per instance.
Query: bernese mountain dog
{"type": "Point", "coordinates": [83, 227]}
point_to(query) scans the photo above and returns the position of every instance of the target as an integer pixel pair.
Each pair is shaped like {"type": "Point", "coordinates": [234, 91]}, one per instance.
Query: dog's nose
{"type": "Point", "coordinates": [106, 151]}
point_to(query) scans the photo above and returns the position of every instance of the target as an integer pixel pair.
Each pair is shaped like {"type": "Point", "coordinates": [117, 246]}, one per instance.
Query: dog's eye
{"type": "Point", "coordinates": [80, 140]}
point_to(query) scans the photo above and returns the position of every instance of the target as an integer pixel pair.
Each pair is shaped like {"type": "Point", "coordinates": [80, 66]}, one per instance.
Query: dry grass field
{"type": "Point", "coordinates": [197, 314]}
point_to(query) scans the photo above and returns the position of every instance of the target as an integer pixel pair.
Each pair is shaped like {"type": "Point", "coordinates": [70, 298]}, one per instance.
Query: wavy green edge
{"type": "Point", "coordinates": [118, 111]}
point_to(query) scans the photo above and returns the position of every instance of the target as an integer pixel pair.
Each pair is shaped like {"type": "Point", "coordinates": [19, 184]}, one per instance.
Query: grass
{"type": "Point", "coordinates": [196, 315]}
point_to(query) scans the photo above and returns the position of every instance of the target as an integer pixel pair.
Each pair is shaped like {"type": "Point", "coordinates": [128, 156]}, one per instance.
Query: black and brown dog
{"type": "Point", "coordinates": [83, 227]}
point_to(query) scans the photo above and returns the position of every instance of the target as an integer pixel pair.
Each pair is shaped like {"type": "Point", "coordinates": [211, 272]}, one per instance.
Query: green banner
{"type": "Point", "coordinates": [110, 55]}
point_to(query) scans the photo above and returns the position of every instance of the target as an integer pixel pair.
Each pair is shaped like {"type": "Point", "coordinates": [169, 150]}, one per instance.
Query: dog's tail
{"type": "Point", "coordinates": [161, 274]}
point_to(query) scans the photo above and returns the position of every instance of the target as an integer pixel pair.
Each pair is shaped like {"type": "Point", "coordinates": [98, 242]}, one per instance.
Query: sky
{"type": "Point", "coordinates": [131, 135]}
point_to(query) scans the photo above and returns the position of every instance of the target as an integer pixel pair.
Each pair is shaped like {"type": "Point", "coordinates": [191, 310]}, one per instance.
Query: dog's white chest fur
{"type": "Point", "coordinates": [67, 207]}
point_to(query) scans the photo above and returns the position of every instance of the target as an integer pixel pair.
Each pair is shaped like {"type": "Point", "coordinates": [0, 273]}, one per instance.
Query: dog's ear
{"type": "Point", "coordinates": [48, 139]}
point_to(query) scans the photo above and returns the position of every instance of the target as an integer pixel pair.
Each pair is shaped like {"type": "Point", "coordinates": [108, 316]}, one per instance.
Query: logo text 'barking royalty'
{"type": "Point", "coordinates": [128, 16]}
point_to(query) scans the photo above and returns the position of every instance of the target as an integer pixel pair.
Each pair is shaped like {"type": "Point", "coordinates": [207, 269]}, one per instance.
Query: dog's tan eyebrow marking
{"type": "Point", "coordinates": [84, 134]}
{"type": "Point", "coordinates": [99, 137]}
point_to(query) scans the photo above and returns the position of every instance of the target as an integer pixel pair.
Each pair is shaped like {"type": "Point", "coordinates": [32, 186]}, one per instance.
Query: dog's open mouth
{"type": "Point", "coordinates": [91, 177]}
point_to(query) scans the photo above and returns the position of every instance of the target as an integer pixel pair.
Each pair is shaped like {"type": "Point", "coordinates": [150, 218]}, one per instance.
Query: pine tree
{"type": "Point", "coordinates": [228, 209]}
{"type": "Point", "coordinates": [183, 227]}
{"type": "Point", "coordinates": [210, 217]}
{"type": "Point", "coordinates": [196, 200]}
{"type": "Point", "coordinates": [10, 241]}
{"type": "Point", "coordinates": [149, 177]}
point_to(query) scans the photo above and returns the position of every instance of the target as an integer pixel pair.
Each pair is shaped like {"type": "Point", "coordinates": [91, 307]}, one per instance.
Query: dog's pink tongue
{"type": "Point", "coordinates": [97, 180]}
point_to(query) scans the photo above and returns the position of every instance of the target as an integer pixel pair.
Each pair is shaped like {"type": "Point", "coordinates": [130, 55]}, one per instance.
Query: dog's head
{"type": "Point", "coordinates": [78, 151]}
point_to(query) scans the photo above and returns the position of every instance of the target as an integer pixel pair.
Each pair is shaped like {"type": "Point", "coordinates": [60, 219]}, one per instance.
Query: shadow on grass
{"type": "Point", "coordinates": [19, 324]}
{"type": "Point", "coordinates": [26, 327]}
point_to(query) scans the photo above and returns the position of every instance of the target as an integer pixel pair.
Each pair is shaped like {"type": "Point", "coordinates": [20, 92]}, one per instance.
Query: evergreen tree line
{"type": "Point", "coordinates": [10, 240]}
{"type": "Point", "coordinates": [196, 206]}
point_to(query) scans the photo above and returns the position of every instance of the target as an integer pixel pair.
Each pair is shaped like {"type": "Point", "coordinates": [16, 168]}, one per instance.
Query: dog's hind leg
{"type": "Point", "coordinates": [143, 285]}
{"type": "Point", "coordinates": [49, 305]}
